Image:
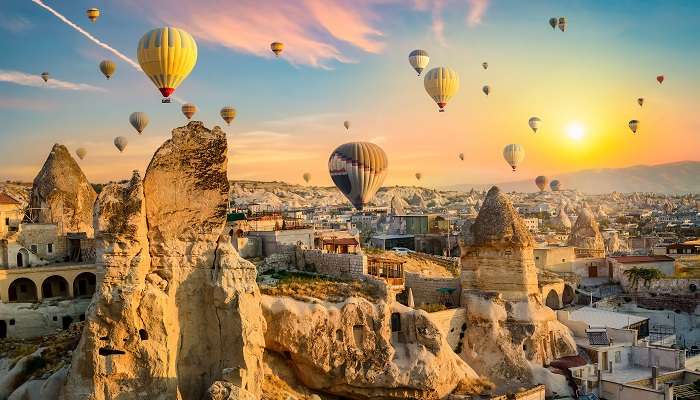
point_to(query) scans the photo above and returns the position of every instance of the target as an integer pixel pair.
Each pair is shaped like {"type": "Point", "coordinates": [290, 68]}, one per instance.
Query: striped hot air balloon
{"type": "Point", "coordinates": [277, 48]}
{"type": "Point", "coordinates": [358, 170]}
{"type": "Point", "coordinates": [81, 152]}
{"type": "Point", "coordinates": [93, 14]}
{"type": "Point", "coordinates": [167, 55]}
{"type": "Point", "coordinates": [419, 59]}
{"type": "Point", "coordinates": [514, 154]}
{"type": "Point", "coordinates": [139, 120]}
{"type": "Point", "coordinates": [441, 83]}
{"type": "Point", "coordinates": [107, 67]}
{"type": "Point", "coordinates": [228, 113]}
{"type": "Point", "coordinates": [541, 182]}
{"type": "Point", "coordinates": [189, 110]}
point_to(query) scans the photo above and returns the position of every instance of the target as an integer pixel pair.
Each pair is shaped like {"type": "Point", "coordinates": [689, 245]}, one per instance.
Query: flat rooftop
{"type": "Point", "coordinates": [596, 317]}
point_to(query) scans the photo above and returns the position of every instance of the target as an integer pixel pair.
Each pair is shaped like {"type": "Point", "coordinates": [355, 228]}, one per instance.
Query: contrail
{"type": "Point", "coordinates": [97, 41]}
{"type": "Point", "coordinates": [89, 36]}
{"type": "Point", "coordinates": [24, 79]}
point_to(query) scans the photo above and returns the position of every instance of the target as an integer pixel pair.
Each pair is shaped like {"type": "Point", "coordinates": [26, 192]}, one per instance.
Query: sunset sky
{"type": "Point", "coordinates": [348, 60]}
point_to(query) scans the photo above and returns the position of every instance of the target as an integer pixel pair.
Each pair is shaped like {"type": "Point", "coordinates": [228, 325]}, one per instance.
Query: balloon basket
{"type": "Point", "coordinates": [165, 100]}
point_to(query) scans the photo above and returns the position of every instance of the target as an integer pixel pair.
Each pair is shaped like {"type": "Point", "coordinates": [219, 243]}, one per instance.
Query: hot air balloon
{"type": "Point", "coordinates": [486, 89]}
{"type": "Point", "coordinates": [461, 156]}
{"type": "Point", "coordinates": [346, 124]}
{"type": "Point", "coordinates": [660, 79]}
{"type": "Point", "coordinates": [485, 65]}
{"type": "Point", "coordinates": [45, 76]}
{"type": "Point", "coordinates": [418, 175]}
{"type": "Point", "coordinates": [562, 24]}
{"type": "Point", "coordinates": [640, 101]}
{"type": "Point", "coordinates": [92, 14]}
{"type": "Point", "coordinates": [277, 48]}
{"type": "Point", "coordinates": [108, 67]}
{"type": "Point", "coordinates": [307, 177]}
{"type": "Point", "coordinates": [633, 124]}
{"type": "Point", "coordinates": [81, 152]}
{"type": "Point", "coordinates": [120, 142]}
{"type": "Point", "coordinates": [419, 59]}
{"type": "Point", "coordinates": [139, 120]}
{"type": "Point", "coordinates": [188, 110]}
{"type": "Point", "coordinates": [534, 123]}
{"type": "Point", "coordinates": [541, 182]}
{"type": "Point", "coordinates": [514, 155]}
{"type": "Point", "coordinates": [228, 113]}
{"type": "Point", "coordinates": [441, 83]}
{"type": "Point", "coordinates": [553, 22]}
{"type": "Point", "coordinates": [358, 170]}
{"type": "Point", "coordinates": [555, 185]}
{"type": "Point", "coordinates": [167, 55]}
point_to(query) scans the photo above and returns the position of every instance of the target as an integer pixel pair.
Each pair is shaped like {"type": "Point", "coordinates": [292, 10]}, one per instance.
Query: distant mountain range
{"type": "Point", "coordinates": [677, 177]}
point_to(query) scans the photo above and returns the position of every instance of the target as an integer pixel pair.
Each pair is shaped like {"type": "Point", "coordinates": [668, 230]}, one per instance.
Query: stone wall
{"type": "Point", "coordinates": [276, 241]}
{"type": "Point", "coordinates": [27, 320]}
{"type": "Point", "coordinates": [425, 288]}
{"type": "Point", "coordinates": [450, 322]}
{"type": "Point", "coordinates": [249, 246]}
{"type": "Point", "coordinates": [41, 235]}
{"type": "Point", "coordinates": [347, 266]}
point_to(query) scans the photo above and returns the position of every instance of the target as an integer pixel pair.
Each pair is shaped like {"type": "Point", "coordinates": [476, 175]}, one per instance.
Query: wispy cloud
{"type": "Point", "coordinates": [477, 9]}
{"type": "Point", "coordinates": [14, 24]}
{"type": "Point", "coordinates": [24, 79]}
{"type": "Point", "coordinates": [88, 35]}
{"type": "Point", "coordinates": [25, 104]}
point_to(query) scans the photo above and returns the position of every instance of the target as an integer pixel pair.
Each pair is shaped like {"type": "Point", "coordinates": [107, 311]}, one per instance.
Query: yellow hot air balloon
{"type": "Point", "coordinates": [188, 110]}
{"type": "Point", "coordinates": [139, 120]}
{"type": "Point", "coordinates": [277, 48]}
{"type": "Point", "coordinates": [228, 113]}
{"type": "Point", "coordinates": [92, 14]}
{"type": "Point", "coordinates": [634, 125]}
{"type": "Point", "coordinates": [108, 67]}
{"type": "Point", "coordinates": [167, 55]}
{"type": "Point", "coordinates": [358, 170]}
{"type": "Point", "coordinates": [120, 143]}
{"type": "Point", "coordinates": [514, 154]}
{"type": "Point", "coordinates": [419, 59]}
{"type": "Point", "coordinates": [441, 83]}
{"type": "Point", "coordinates": [307, 177]}
{"type": "Point", "coordinates": [45, 76]}
{"type": "Point", "coordinates": [81, 152]}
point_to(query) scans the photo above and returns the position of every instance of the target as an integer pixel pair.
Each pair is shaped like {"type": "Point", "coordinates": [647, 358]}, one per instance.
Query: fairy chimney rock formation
{"type": "Point", "coordinates": [585, 234]}
{"type": "Point", "coordinates": [61, 194]}
{"type": "Point", "coordinates": [178, 310]}
{"type": "Point", "coordinates": [561, 223]}
{"type": "Point", "coordinates": [497, 251]}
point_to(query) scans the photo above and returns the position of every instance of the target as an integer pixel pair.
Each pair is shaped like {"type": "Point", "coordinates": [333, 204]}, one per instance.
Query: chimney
{"type": "Point", "coordinates": [655, 377]}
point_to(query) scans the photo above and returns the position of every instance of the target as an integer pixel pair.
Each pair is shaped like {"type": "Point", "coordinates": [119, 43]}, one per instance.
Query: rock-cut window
{"type": "Point", "coordinates": [49, 248]}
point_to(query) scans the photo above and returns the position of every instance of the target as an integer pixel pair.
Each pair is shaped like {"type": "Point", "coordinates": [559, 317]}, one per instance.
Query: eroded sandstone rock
{"type": "Point", "coordinates": [363, 350]}
{"type": "Point", "coordinates": [585, 233]}
{"type": "Point", "coordinates": [62, 194]}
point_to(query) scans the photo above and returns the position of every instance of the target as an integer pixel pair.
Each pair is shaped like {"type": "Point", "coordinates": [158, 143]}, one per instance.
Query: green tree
{"type": "Point", "coordinates": [646, 275]}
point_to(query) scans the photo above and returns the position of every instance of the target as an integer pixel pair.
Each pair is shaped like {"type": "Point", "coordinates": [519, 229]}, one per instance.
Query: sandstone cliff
{"type": "Point", "coordinates": [62, 194]}
{"type": "Point", "coordinates": [178, 309]}
{"type": "Point", "coordinates": [362, 350]}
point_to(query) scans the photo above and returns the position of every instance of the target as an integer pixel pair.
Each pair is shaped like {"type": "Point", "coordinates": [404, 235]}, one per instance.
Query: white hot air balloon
{"type": "Point", "coordinates": [514, 154]}
{"type": "Point", "coordinates": [81, 152]}
{"type": "Point", "coordinates": [534, 123]}
{"type": "Point", "coordinates": [120, 143]}
{"type": "Point", "coordinates": [139, 120]}
{"type": "Point", "coordinates": [419, 59]}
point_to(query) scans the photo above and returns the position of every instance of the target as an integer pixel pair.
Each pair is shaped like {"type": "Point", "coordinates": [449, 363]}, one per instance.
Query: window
{"type": "Point", "coordinates": [49, 248]}
{"type": "Point", "coordinates": [7, 221]}
{"type": "Point", "coordinates": [537, 257]}
{"type": "Point", "coordinates": [563, 260]}
{"type": "Point", "coordinates": [34, 248]}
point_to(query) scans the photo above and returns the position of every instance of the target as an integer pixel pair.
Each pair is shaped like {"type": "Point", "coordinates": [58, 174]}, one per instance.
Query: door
{"type": "Point", "coordinates": [66, 321]}
{"type": "Point", "coordinates": [75, 255]}
{"type": "Point", "coordinates": [592, 271]}
{"type": "Point", "coordinates": [20, 260]}
{"type": "Point", "coordinates": [3, 329]}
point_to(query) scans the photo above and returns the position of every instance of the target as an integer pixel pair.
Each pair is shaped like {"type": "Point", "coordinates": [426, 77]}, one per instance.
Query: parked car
{"type": "Point", "coordinates": [401, 251]}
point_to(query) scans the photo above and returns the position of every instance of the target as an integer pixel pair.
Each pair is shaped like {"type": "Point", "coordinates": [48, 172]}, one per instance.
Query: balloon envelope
{"type": "Point", "coordinates": [555, 185]}
{"type": "Point", "coordinates": [358, 170]}
{"type": "Point", "coordinates": [660, 79]}
{"type": "Point", "coordinates": [346, 124]}
{"type": "Point", "coordinates": [228, 113]}
{"type": "Point", "coordinates": [562, 23]}
{"type": "Point", "coordinates": [277, 48]}
{"type": "Point", "coordinates": [108, 67]}
{"type": "Point", "coordinates": [461, 156]}
{"type": "Point", "coordinates": [535, 123]}
{"type": "Point", "coordinates": [167, 56]}
{"type": "Point", "coordinates": [541, 182]}
{"type": "Point", "coordinates": [45, 76]}
{"type": "Point", "coordinates": [189, 110]}
{"type": "Point", "coordinates": [514, 154]}
{"type": "Point", "coordinates": [419, 59]}
{"type": "Point", "coordinates": [485, 65]}
{"type": "Point", "coordinates": [92, 14]}
{"type": "Point", "coordinates": [553, 22]}
{"type": "Point", "coordinates": [441, 83]}
{"type": "Point", "coordinates": [81, 152]}
{"type": "Point", "coordinates": [139, 120]}
{"type": "Point", "coordinates": [634, 125]}
{"type": "Point", "coordinates": [120, 142]}
{"type": "Point", "coordinates": [307, 177]}
{"type": "Point", "coordinates": [418, 175]}
{"type": "Point", "coordinates": [640, 101]}
{"type": "Point", "coordinates": [486, 89]}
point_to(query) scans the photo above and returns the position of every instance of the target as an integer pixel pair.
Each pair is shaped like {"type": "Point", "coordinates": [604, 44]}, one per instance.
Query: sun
{"type": "Point", "coordinates": [575, 131]}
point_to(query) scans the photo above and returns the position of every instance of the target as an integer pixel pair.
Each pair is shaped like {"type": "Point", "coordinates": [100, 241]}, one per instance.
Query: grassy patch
{"type": "Point", "coordinates": [432, 307]}
{"type": "Point", "coordinates": [301, 286]}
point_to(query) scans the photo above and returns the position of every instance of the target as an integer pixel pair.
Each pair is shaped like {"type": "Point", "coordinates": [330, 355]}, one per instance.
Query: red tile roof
{"type": "Point", "coordinates": [641, 259]}
{"type": "Point", "coordinates": [5, 199]}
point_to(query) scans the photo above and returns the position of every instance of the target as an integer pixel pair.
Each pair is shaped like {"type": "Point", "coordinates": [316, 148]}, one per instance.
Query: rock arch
{"type": "Point", "coordinates": [22, 290]}
{"type": "Point", "coordinates": [54, 286]}
{"type": "Point", "coordinates": [553, 301]}
{"type": "Point", "coordinates": [568, 296]}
